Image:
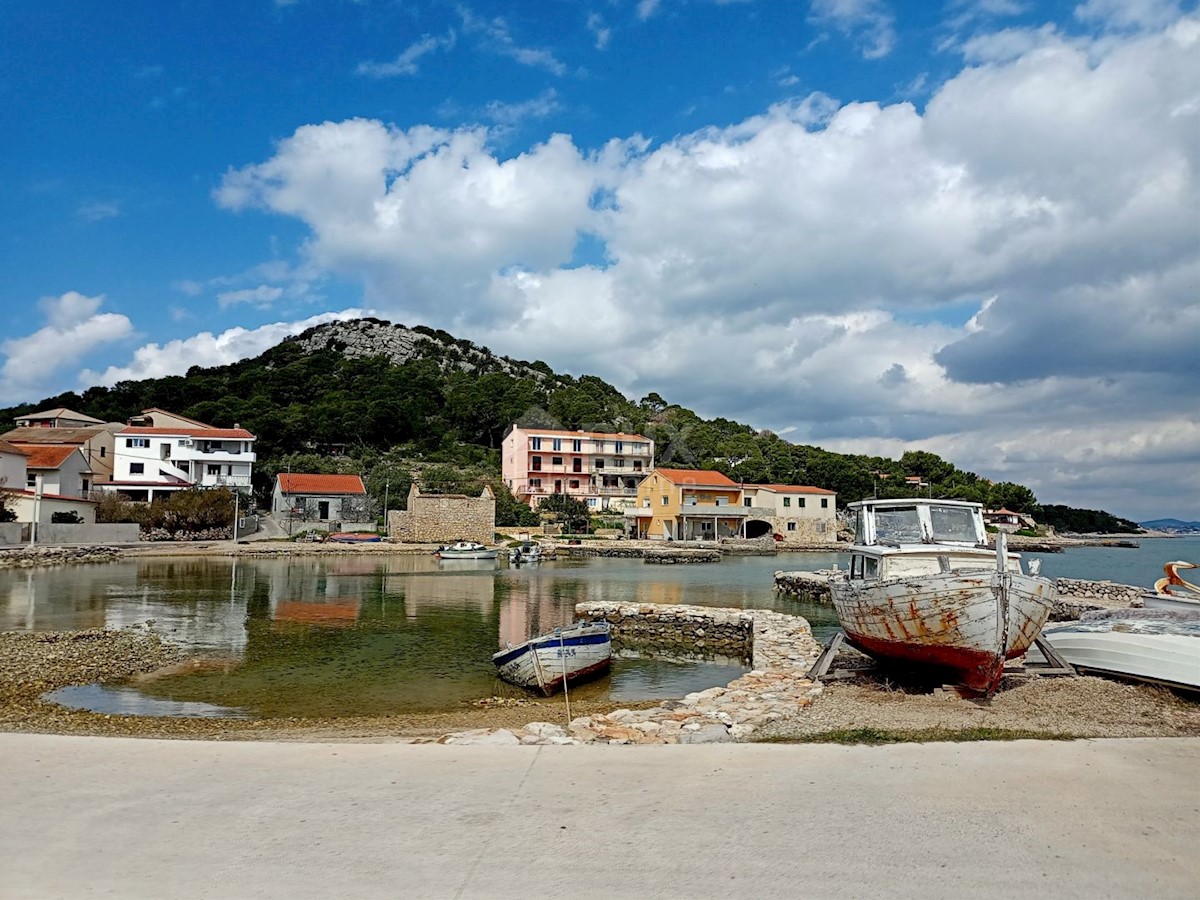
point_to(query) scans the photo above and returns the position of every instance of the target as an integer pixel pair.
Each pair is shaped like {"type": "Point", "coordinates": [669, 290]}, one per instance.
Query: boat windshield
{"type": "Point", "coordinates": [952, 523]}
{"type": "Point", "coordinates": [860, 532]}
{"type": "Point", "coordinates": [900, 525]}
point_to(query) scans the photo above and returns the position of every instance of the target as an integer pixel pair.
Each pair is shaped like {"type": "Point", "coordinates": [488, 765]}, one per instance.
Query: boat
{"type": "Point", "coordinates": [465, 550]}
{"type": "Point", "coordinates": [1172, 591]}
{"type": "Point", "coordinates": [528, 552]}
{"type": "Point", "coordinates": [1161, 646]}
{"type": "Point", "coordinates": [565, 655]}
{"type": "Point", "coordinates": [924, 589]}
{"type": "Point", "coordinates": [354, 537]}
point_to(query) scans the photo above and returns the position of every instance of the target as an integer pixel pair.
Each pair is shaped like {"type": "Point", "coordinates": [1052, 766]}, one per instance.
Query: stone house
{"type": "Point", "coordinates": [312, 500]}
{"type": "Point", "coordinates": [443, 518]}
{"type": "Point", "coordinates": [795, 512]}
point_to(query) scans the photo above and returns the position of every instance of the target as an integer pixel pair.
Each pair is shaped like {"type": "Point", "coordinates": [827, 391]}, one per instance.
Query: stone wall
{"type": "Point", "coordinates": [10, 533]}
{"type": "Point", "coordinates": [443, 518]}
{"type": "Point", "coordinates": [671, 557]}
{"type": "Point", "coordinates": [808, 585]}
{"type": "Point", "coordinates": [30, 557]}
{"type": "Point", "coordinates": [62, 533]}
{"type": "Point", "coordinates": [1075, 597]}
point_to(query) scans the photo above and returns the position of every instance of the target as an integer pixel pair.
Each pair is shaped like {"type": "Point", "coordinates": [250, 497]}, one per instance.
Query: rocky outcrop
{"type": "Point", "coordinates": [30, 557]}
{"type": "Point", "coordinates": [671, 557]}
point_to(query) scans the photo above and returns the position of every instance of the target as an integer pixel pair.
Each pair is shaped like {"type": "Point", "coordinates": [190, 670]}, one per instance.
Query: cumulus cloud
{"type": "Point", "coordinates": [74, 328]}
{"type": "Point", "coordinates": [208, 349]}
{"type": "Point", "coordinates": [807, 268]}
{"type": "Point", "coordinates": [870, 22]}
{"type": "Point", "coordinates": [601, 32]}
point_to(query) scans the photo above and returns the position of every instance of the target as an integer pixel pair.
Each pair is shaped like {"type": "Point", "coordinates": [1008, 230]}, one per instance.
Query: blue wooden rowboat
{"type": "Point", "coordinates": [569, 654]}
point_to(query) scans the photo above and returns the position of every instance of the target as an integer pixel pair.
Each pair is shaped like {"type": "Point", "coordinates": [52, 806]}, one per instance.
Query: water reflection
{"type": "Point", "coordinates": [358, 635]}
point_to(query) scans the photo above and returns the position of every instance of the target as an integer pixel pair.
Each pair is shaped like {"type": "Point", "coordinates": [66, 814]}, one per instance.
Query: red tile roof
{"type": "Point", "coordinates": [299, 483]}
{"type": "Point", "coordinates": [790, 488]}
{"type": "Point", "coordinates": [210, 434]}
{"type": "Point", "coordinates": [46, 456]}
{"type": "Point", "coordinates": [698, 478]}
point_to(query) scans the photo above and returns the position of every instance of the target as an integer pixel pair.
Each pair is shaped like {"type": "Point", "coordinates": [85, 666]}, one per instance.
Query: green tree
{"type": "Point", "coordinates": [572, 514]}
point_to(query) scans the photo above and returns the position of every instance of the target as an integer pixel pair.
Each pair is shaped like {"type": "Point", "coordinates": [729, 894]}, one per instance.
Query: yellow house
{"type": "Point", "coordinates": [688, 505]}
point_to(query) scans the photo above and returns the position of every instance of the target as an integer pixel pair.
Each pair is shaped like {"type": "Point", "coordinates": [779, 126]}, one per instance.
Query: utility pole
{"type": "Point", "coordinates": [386, 487]}
{"type": "Point", "coordinates": [237, 495]}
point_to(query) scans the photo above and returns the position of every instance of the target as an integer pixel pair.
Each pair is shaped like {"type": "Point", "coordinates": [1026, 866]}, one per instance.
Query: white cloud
{"type": "Point", "coordinates": [98, 210]}
{"type": "Point", "coordinates": [74, 328]}
{"type": "Point", "coordinates": [647, 8]}
{"type": "Point", "coordinates": [601, 32]}
{"type": "Point", "coordinates": [1123, 14]}
{"type": "Point", "coordinates": [512, 114]}
{"type": "Point", "coordinates": [262, 296]}
{"type": "Point", "coordinates": [208, 349]}
{"type": "Point", "coordinates": [870, 21]}
{"type": "Point", "coordinates": [496, 36]}
{"type": "Point", "coordinates": [406, 62]}
{"type": "Point", "coordinates": [808, 268]}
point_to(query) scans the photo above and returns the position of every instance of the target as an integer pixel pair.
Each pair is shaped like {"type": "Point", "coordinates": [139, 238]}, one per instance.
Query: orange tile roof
{"type": "Point", "coordinates": [697, 477]}
{"type": "Point", "coordinates": [588, 435]}
{"type": "Point", "coordinates": [214, 434]}
{"type": "Point", "coordinates": [33, 435]}
{"type": "Point", "coordinates": [300, 483]}
{"type": "Point", "coordinates": [790, 488]}
{"type": "Point", "coordinates": [46, 456]}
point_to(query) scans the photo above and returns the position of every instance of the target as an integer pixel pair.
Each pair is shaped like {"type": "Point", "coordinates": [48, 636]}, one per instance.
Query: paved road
{"type": "Point", "coordinates": [91, 817]}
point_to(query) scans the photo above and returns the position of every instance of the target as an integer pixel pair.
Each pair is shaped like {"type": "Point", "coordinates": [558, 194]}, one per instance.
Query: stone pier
{"type": "Point", "coordinates": [806, 585]}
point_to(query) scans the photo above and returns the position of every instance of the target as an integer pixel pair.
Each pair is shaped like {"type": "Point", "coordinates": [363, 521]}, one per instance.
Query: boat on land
{"type": "Point", "coordinates": [564, 656]}
{"type": "Point", "coordinates": [925, 590]}
{"type": "Point", "coordinates": [528, 552]}
{"type": "Point", "coordinates": [465, 550]}
{"type": "Point", "coordinates": [1161, 646]}
{"type": "Point", "coordinates": [1172, 591]}
{"type": "Point", "coordinates": [354, 537]}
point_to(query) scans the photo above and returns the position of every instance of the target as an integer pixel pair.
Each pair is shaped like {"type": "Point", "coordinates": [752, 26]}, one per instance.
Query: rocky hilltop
{"type": "Point", "coordinates": [366, 338]}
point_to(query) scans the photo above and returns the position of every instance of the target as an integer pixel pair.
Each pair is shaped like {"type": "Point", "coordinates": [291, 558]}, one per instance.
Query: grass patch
{"type": "Point", "coordinates": [876, 736]}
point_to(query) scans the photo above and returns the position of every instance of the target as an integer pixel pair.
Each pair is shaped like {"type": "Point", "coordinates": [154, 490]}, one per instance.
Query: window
{"type": "Point", "coordinates": [665, 501]}
{"type": "Point", "coordinates": [899, 525]}
{"type": "Point", "coordinates": [824, 503]}
{"type": "Point", "coordinates": [787, 501]}
{"type": "Point", "coordinates": [535, 483]}
{"type": "Point", "coordinates": [746, 501]}
{"type": "Point", "coordinates": [556, 460]}
{"type": "Point", "coordinates": [637, 465]}
{"type": "Point", "coordinates": [137, 442]}
{"type": "Point", "coordinates": [577, 446]}
{"type": "Point", "coordinates": [535, 443]}
{"type": "Point", "coordinates": [137, 468]}
{"type": "Point", "coordinates": [619, 463]}
{"type": "Point", "coordinates": [952, 523]}
{"type": "Point", "coordinates": [535, 463]}
{"type": "Point", "coordinates": [801, 502]}
{"type": "Point", "coordinates": [646, 503]}
{"type": "Point", "coordinates": [574, 482]}
{"type": "Point", "coordinates": [618, 446]}
{"type": "Point", "coordinates": [30, 480]}
{"type": "Point", "coordinates": [103, 452]}
{"type": "Point", "coordinates": [791, 526]}
{"type": "Point", "coordinates": [556, 444]}
{"type": "Point", "coordinates": [591, 501]}
{"type": "Point", "coordinates": [214, 470]}
{"type": "Point", "coordinates": [599, 464]}
{"type": "Point", "coordinates": [577, 465]}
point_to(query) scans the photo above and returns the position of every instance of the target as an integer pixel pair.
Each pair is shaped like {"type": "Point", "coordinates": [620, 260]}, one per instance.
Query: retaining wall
{"type": "Point", "coordinates": [55, 533]}
{"type": "Point", "coordinates": [10, 533]}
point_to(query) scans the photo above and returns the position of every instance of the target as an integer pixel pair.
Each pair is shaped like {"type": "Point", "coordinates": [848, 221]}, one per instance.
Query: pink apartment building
{"type": "Point", "coordinates": [598, 468]}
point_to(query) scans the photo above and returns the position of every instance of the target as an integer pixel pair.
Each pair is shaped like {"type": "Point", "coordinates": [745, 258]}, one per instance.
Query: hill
{"type": "Point", "coordinates": [1172, 526]}
{"type": "Point", "coordinates": [385, 400]}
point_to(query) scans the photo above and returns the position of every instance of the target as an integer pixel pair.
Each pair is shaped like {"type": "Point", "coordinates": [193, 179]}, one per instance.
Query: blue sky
{"type": "Point", "coordinates": [965, 226]}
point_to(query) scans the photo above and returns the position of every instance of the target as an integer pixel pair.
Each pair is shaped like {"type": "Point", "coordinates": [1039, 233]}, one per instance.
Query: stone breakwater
{"type": "Point", "coordinates": [1075, 597]}
{"type": "Point", "coordinates": [673, 557]}
{"type": "Point", "coordinates": [782, 650]}
{"type": "Point", "coordinates": [809, 585]}
{"type": "Point", "coordinates": [31, 557]}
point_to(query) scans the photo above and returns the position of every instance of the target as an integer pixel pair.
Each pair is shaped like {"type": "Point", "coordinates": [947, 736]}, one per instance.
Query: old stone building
{"type": "Point", "coordinates": [442, 518]}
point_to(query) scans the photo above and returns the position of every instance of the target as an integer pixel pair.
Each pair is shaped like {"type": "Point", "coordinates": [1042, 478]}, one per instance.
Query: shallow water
{"type": "Point", "coordinates": [370, 635]}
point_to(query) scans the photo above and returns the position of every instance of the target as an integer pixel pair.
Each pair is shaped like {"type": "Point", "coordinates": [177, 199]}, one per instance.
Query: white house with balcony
{"type": "Point", "coordinates": [160, 452]}
{"type": "Point", "coordinates": [602, 469]}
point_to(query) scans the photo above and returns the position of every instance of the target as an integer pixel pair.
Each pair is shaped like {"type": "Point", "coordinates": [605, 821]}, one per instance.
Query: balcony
{"type": "Point", "coordinates": [239, 481]}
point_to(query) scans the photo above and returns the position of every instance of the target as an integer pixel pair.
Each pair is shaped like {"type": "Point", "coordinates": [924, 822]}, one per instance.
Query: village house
{"type": "Point", "coordinates": [30, 501]}
{"type": "Point", "coordinates": [59, 417]}
{"type": "Point", "coordinates": [62, 426]}
{"type": "Point", "coordinates": [63, 468]}
{"type": "Point", "coordinates": [688, 505]}
{"type": "Point", "coordinates": [443, 518]}
{"type": "Point", "coordinates": [601, 469]}
{"type": "Point", "coordinates": [309, 501]}
{"type": "Point", "coordinates": [1005, 519]}
{"type": "Point", "coordinates": [792, 511]}
{"type": "Point", "coordinates": [160, 452]}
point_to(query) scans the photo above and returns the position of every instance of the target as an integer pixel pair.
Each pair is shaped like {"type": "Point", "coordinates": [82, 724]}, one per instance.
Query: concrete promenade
{"type": "Point", "coordinates": [109, 817]}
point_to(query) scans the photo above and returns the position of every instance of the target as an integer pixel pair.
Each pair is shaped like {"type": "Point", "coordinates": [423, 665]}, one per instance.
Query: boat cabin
{"type": "Point", "coordinates": [913, 536]}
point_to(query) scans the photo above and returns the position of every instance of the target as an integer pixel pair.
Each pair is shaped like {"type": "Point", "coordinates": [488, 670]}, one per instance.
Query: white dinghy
{"type": "Point", "coordinates": [566, 655]}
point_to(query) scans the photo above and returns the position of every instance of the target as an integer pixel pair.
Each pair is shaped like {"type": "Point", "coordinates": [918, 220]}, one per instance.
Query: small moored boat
{"type": "Point", "coordinates": [354, 537]}
{"type": "Point", "coordinates": [1172, 591]}
{"type": "Point", "coordinates": [528, 552]}
{"type": "Point", "coordinates": [465, 550]}
{"type": "Point", "coordinates": [925, 589]}
{"type": "Point", "coordinates": [566, 655]}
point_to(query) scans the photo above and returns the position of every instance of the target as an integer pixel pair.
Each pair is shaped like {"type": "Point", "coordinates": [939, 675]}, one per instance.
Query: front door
{"type": "Point", "coordinates": [323, 510]}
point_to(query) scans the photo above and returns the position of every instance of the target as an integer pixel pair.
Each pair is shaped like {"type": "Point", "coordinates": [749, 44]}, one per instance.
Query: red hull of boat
{"type": "Point", "coordinates": [977, 670]}
{"type": "Point", "coordinates": [555, 685]}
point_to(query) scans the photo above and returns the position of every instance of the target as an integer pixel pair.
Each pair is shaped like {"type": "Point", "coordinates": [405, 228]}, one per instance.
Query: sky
{"type": "Point", "coordinates": [964, 226]}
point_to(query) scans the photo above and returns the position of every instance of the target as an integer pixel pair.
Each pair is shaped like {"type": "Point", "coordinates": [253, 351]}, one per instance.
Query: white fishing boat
{"type": "Point", "coordinates": [924, 589]}
{"type": "Point", "coordinates": [1172, 591]}
{"type": "Point", "coordinates": [465, 550]}
{"type": "Point", "coordinates": [1156, 645]}
{"type": "Point", "coordinates": [528, 552]}
{"type": "Point", "coordinates": [566, 655]}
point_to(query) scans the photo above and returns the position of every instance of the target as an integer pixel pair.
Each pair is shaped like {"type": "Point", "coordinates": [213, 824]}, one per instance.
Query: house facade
{"type": "Point", "coordinates": [12, 466]}
{"type": "Point", "coordinates": [96, 442]}
{"type": "Point", "coordinates": [31, 501]}
{"type": "Point", "coordinates": [601, 469]}
{"type": "Point", "coordinates": [443, 518]}
{"type": "Point", "coordinates": [688, 505]}
{"type": "Point", "coordinates": [59, 417]}
{"type": "Point", "coordinates": [794, 512]}
{"type": "Point", "coordinates": [63, 468]}
{"type": "Point", "coordinates": [160, 453]}
{"type": "Point", "coordinates": [316, 501]}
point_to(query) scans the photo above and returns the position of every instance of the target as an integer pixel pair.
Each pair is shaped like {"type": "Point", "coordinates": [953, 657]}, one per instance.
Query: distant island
{"type": "Point", "coordinates": [1171, 526]}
